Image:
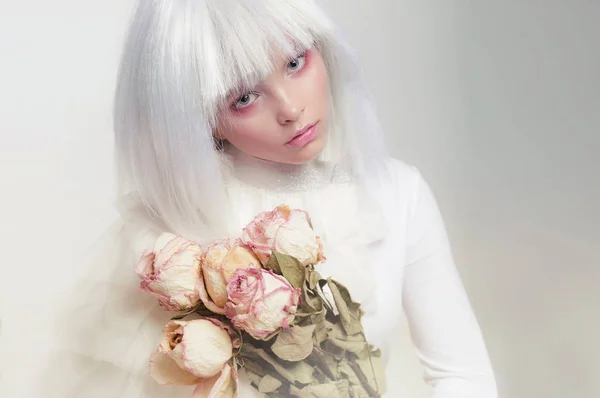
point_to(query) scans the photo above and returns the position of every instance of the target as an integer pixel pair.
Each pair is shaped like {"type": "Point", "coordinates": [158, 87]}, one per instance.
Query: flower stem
{"type": "Point", "coordinates": [361, 376]}
{"type": "Point", "coordinates": [317, 354]}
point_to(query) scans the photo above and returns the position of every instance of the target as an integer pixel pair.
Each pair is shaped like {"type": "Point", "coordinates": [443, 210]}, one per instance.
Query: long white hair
{"type": "Point", "coordinates": [181, 60]}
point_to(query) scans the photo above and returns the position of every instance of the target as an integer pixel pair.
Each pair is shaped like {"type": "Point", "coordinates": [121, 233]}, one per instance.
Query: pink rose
{"type": "Point", "coordinates": [171, 271]}
{"type": "Point", "coordinates": [285, 231]}
{"type": "Point", "coordinates": [196, 352]}
{"type": "Point", "coordinates": [219, 263]}
{"type": "Point", "coordinates": [261, 302]}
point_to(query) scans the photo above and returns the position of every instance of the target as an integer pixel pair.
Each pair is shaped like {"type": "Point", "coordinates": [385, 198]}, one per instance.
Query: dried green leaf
{"type": "Point", "coordinates": [338, 337]}
{"type": "Point", "coordinates": [272, 395]}
{"type": "Point", "coordinates": [321, 327]}
{"type": "Point", "coordinates": [313, 278]}
{"type": "Point", "coordinates": [342, 387]}
{"type": "Point", "coordinates": [310, 303]}
{"type": "Point", "coordinates": [350, 311]}
{"type": "Point", "coordinates": [273, 264]}
{"type": "Point", "coordinates": [251, 351]}
{"type": "Point", "coordinates": [317, 319]}
{"type": "Point", "coordinates": [333, 350]}
{"type": "Point", "coordinates": [291, 269]}
{"type": "Point", "coordinates": [357, 391]}
{"type": "Point", "coordinates": [374, 370]}
{"type": "Point", "coordinates": [346, 370]}
{"type": "Point", "coordinates": [322, 363]}
{"type": "Point", "coordinates": [295, 343]}
{"type": "Point", "coordinates": [303, 372]}
{"type": "Point", "coordinates": [253, 377]}
{"type": "Point", "coordinates": [292, 372]}
{"type": "Point", "coordinates": [337, 389]}
{"type": "Point", "coordinates": [327, 390]}
{"type": "Point", "coordinates": [268, 384]}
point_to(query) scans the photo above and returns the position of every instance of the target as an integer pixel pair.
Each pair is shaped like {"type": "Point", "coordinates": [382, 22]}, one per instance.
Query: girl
{"type": "Point", "coordinates": [225, 108]}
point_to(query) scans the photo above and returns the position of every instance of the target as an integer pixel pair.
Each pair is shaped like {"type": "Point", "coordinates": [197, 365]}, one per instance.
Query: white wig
{"type": "Point", "coordinates": [181, 60]}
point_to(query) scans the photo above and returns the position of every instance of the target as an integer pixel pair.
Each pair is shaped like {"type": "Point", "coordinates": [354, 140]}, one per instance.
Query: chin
{"type": "Point", "coordinates": [307, 154]}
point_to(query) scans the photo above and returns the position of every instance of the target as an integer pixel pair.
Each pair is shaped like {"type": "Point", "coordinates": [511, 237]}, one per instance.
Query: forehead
{"type": "Point", "coordinates": [277, 60]}
{"type": "Point", "coordinates": [247, 66]}
{"type": "Point", "coordinates": [243, 42]}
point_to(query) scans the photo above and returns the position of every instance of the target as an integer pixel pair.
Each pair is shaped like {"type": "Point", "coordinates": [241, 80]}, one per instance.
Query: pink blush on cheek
{"type": "Point", "coordinates": [307, 62]}
{"type": "Point", "coordinates": [243, 111]}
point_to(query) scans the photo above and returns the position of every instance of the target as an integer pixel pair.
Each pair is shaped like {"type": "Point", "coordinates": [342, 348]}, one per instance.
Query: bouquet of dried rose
{"type": "Point", "coordinates": [257, 302]}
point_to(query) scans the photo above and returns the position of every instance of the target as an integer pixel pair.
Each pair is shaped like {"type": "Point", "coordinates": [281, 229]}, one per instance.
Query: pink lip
{"type": "Point", "coordinates": [303, 136]}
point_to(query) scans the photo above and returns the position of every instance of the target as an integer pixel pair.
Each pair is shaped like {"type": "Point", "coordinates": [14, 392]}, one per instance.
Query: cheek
{"type": "Point", "coordinates": [247, 132]}
{"type": "Point", "coordinates": [242, 133]}
{"type": "Point", "coordinates": [318, 73]}
{"type": "Point", "coordinates": [321, 85]}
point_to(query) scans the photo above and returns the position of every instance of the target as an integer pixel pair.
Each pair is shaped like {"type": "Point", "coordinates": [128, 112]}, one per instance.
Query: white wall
{"type": "Point", "coordinates": [498, 103]}
{"type": "Point", "coordinates": [57, 65]}
{"type": "Point", "coordinates": [530, 87]}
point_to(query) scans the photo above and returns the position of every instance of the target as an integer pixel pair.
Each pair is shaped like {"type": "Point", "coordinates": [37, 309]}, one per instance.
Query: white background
{"type": "Point", "coordinates": [498, 104]}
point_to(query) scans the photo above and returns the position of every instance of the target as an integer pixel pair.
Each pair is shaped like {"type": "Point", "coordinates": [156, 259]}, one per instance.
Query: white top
{"type": "Point", "coordinates": [386, 242]}
{"type": "Point", "coordinates": [406, 264]}
{"type": "Point", "coordinates": [417, 273]}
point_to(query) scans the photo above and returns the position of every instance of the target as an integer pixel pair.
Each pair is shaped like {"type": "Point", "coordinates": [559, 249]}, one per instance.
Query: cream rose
{"type": "Point", "coordinates": [219, 263]}
{"type": "Point", "coordinates": [260, 302]}
{"type": "Point", "coordinates": [171, 271]}
{"type": "Point", "coordinates": [286, 231]}
{"type": "Point", "coordinates": [223, 385]}
{"type": "Point", "coordinates": [196, 352]}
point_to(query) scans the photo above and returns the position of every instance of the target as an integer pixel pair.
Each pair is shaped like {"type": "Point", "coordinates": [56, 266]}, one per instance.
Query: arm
{"type": "Point", "coordinates": [442, 324]}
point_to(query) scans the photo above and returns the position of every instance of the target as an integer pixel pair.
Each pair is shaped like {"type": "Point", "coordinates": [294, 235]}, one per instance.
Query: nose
{"type": "Point", "coordinates": [289, 109]}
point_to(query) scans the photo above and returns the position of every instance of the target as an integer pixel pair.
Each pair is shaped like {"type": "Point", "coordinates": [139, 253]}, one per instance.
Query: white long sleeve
{"type": "Point", "coordinates": [443, 327]}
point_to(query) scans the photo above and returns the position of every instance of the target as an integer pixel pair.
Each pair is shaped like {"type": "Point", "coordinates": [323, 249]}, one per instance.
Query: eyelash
{"type": "Point", "coordinates": [303, 56]}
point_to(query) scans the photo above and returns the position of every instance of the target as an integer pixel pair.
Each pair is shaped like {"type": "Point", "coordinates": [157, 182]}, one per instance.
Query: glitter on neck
{"type": "Point", "coordinates": [282, 177]}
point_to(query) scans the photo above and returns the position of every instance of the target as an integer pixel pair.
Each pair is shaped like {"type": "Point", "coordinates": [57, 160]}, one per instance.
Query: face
{"type": "Point", "coordinates": [284, 118]}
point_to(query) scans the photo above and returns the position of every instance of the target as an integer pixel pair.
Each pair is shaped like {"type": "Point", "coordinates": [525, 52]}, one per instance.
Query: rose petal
{"type": "Point", "coordinates": [178, 282]}
{"type": "Point", "coordinates": [145, 266]}
{"type": "Point", "coordinates": [284, 230]}
{"type": "Point", "coordinates": [219, 386]}
{"type": "Point", "coordinates": [206, 348]}
{"type": "Point", "coordinates": [259, 234]}
{"type": "Point", "coordinates": [201, 288]}
{"type": "Point", "coordinates": [212, 261]}
{"type": "Point", "coordinates": [297, 239]}
{"type": "Point", "coordinates": [238, 257]}
{"type": "Point", "coordinates": [216, 285]}
{"type": "Point", "coordinates": [171, 272]}
{"type": "Point", "coordinates": [261, 302]}
{"type": "Point", "coordinates": [165, 370]}
{"type": "Point", "coordinates": [233, 334]}
{"type": "Point", "coordinates": [165, 247]}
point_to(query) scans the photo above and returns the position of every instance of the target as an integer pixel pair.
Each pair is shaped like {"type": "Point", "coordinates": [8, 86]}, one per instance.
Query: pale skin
{"type": "Point", "coordinates": [262, 122]}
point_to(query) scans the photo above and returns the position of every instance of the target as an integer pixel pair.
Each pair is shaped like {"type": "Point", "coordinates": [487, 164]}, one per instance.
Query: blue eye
{"type": "Point", "coordinates": [245, 100]}
{"type": "Point", "coordinates": [297, 63]}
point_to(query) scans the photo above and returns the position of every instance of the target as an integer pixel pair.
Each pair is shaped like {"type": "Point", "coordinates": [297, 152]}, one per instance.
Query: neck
{"type": "Point", "coordinates": [271, 175]}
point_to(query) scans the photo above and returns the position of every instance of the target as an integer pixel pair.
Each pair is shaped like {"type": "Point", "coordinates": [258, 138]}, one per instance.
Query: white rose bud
{"type": "Point", "coordinates": [192, 352]}
{"type": "Point", "coordinates": [171, 271]}
{"type": "Point", "coordinates": [285, 231]}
